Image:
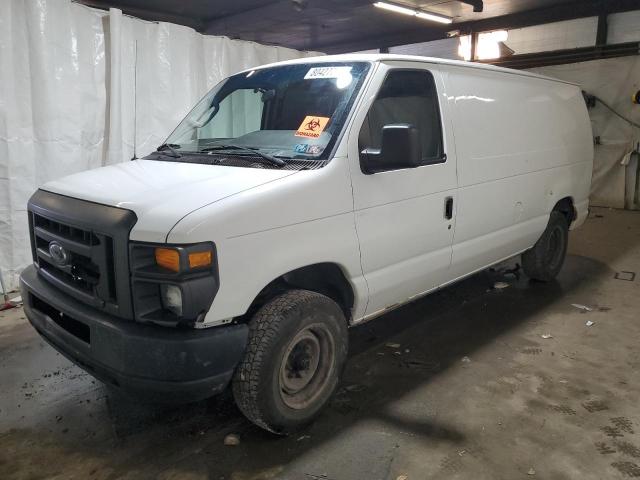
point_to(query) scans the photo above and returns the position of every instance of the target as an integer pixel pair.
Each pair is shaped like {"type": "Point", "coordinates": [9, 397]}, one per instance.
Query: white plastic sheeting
{"type": "Point", "coordinates": [576, 33]}
{"type": "Point", "coordinates": [623, 27]}
{"type": "Point", "coordinates": [614, 80]}
{"type": "Point", "coordinates": [68, 99]}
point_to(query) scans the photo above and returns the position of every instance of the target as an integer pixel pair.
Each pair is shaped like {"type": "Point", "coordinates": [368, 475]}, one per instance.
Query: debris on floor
{"type": "Point", "coordinates": [354, 387]}
{"type": "Point", "coordinates": [232, 440]}
{"type": "Point", "coordinates": [393, 345]}
{"type": "Point", "coordinates": [546, 336]}
{"type": "Point", "coordinates": [531, 471]}
{"type": "Point", "coordinates": [584, 308]}
{"type": "Point", "coordinates": [10, 303]}
{"type": "Point", "coordinates": [625, 275]}
{"type": "Point", "coordinates": [589, 323]}
{"type": "Point", "coordinates": [500, 285]}
{"type": "Point", "coordinates": [6, 306]}
{"type": "Point", "coordinates": [466, 359]}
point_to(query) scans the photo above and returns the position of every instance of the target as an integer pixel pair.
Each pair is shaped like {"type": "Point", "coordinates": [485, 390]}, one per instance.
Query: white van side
{"type": "Point", "coordinates": [295, 200]}
{"type": "Point", "coordinates": [516, 146]}
{"type": "Point", "coordinates": [524, 145]}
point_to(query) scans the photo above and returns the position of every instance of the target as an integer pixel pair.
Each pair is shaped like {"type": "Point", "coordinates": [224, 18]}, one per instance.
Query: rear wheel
{"type": "Point", "coordinates": [544, 261]}
{"type": "Point", "coordinates": [297, 350]}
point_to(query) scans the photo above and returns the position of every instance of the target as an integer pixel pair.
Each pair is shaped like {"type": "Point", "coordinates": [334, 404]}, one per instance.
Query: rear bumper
{"type": "Point", "coordinates": [168, 364]}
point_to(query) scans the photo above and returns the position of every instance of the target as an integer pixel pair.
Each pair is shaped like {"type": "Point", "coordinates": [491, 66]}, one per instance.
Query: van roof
{"type": "Point", "coordinates": [382, 57]}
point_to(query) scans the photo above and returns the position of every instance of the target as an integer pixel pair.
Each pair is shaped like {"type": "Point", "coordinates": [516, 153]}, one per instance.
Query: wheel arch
{"type": "Point", "coordinates": [567, 207]}
{"type": "Point", "coordinates": [326, 278]}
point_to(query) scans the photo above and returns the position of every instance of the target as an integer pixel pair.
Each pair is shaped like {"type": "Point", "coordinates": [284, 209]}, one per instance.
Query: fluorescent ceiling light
{"type": "Point", "coordinates": [395, 8]}
{"type": "Point", "coordinates": [433, 17]}
{"type": "Point", "coordinates": [413, 12]}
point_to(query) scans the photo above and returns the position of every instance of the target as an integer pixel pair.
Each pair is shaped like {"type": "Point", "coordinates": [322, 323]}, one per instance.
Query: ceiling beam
{"type": "Point", "coordinates": [561, 57]}
{"type": "Point", "coordinates": [228, 24]}
{"type": "Point", "coordinates": [477, 5]}
{"type": "Point", "coordinates": [602, 29]}
{"type": "Point", "coordinates": [555, 13]}
{"type": "Point", "coordinates": [222, 25]}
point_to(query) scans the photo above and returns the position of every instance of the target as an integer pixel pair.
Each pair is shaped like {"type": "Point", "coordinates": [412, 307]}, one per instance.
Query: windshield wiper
{"type": "Point", "coordinates": [248, 150]}
{"type": "Point", "coordinates": [171, 147]}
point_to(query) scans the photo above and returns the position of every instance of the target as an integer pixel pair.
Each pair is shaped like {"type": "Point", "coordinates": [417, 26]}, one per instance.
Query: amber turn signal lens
{"type": "Point", "coordinates": [168, 258]}
{"type": "Point", "coordinates": [199, 259]}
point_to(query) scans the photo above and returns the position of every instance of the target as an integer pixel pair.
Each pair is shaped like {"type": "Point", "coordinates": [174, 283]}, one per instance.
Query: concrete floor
{"type": "Point", "coordinates": [473, 392]}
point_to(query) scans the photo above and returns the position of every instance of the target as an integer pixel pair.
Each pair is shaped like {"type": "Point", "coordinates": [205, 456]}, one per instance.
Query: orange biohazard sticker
{"type": "Point", "coordinates": [312, 126]}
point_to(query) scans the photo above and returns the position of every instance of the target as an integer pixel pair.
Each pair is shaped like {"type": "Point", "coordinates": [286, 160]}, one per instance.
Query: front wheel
{"type": "Point", "coordinates": [544, 261]}
{"type": "Point", "coordinates": [297, 349]}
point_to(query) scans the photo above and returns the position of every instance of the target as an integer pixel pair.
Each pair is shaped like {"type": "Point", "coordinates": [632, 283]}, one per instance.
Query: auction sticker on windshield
{"type": "Point", "coordinates": [327, 72]}
{"type": "Point", "coordinates": [312, 126]}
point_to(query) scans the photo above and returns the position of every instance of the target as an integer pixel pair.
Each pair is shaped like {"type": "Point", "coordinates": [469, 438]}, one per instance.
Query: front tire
{"type": "Point", "coordinates": [297, 349]}
{"type": "Point", "coordinates": [544, 261]}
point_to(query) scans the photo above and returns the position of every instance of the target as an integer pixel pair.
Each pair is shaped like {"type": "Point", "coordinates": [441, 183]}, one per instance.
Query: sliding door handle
{"type": "Point", "coordinates": [448, 208]}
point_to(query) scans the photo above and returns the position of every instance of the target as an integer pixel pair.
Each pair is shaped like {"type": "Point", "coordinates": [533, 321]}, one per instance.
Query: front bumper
{"type": "Point", "coordinates": [170, 364]}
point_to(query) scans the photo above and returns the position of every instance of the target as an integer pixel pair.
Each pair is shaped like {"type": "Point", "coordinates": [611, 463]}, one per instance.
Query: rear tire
{"type": "Point", "coordinates": [297, 349]}
{"type": "Point", "coordinates": [544, 261]}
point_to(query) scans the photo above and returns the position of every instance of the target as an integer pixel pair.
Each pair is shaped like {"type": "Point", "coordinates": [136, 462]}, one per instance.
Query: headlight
{"type": "Point", "coordinates": [168, 258]}
{"type": "Point", "coordinates": [173, 284]}
{"type": "Point", "coordinates": [171, 296]}
{"type": "Point", "coordinates": [178, 260]}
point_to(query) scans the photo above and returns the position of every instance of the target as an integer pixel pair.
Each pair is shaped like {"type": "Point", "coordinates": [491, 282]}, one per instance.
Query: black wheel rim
{"type": "Point", "coordinates": [306, 366]}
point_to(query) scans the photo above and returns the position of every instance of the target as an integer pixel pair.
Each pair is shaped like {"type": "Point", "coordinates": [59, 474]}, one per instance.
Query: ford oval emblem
{"type": "Point", "coordinates": [58, 253]}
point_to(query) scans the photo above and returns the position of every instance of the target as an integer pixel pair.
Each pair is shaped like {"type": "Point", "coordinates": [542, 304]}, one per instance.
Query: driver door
{"type": "Point", "coordinates": [405, 217]}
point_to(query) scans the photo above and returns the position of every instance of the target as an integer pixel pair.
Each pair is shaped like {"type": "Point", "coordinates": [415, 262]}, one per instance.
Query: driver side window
{"type": "Point", "coordinates": [406, 97]}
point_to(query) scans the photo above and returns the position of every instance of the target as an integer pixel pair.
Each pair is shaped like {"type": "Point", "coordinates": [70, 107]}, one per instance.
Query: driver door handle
{"type": "Point", "coordinates": [448, 208]}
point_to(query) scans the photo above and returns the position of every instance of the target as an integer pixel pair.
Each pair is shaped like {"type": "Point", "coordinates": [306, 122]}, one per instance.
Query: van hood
{"type": "Point", "coordinates": [161, 193]}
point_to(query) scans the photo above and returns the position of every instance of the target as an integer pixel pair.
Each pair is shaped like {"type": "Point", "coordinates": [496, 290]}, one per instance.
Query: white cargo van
{"type": "Point", "coordinates": [295, 200]}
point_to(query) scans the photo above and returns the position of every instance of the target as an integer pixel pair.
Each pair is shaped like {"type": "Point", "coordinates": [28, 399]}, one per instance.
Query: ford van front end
{"type": "Point", "coordinates": [102, 301]}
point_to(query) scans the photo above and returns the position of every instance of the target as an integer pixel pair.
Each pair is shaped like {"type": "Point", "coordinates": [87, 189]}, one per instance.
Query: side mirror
{"type": "Point", "coordinates": [401, 148]}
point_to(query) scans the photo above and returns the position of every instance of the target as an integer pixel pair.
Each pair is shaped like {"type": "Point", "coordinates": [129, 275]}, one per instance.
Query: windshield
{"type": "Point", "coordinates": [290, 111]}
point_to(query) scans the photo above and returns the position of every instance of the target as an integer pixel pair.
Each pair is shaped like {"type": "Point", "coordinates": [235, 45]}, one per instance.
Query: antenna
{"type": "Point", "coordinates": [135, 100]}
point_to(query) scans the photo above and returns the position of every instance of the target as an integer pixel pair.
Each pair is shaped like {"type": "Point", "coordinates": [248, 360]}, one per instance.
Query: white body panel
{"type": "Point", "coordinates": [300, 220]}
{"type": "Point", "coordinates": [522, 145]}
{"type": "Point", "coordinates": [516, 143]}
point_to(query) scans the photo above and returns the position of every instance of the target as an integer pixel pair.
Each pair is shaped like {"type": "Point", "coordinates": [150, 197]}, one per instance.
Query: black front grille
{"type": "Point", "coordinates": [83, 246]}
{"type": "Point", "coordinates": [94, 240]}
{"type": "Point", "coordinates": [85, 237]}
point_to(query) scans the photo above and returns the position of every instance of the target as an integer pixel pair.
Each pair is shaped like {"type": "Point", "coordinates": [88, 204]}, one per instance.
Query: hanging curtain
{"type": "Point", "coordinates": [79, 87]}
